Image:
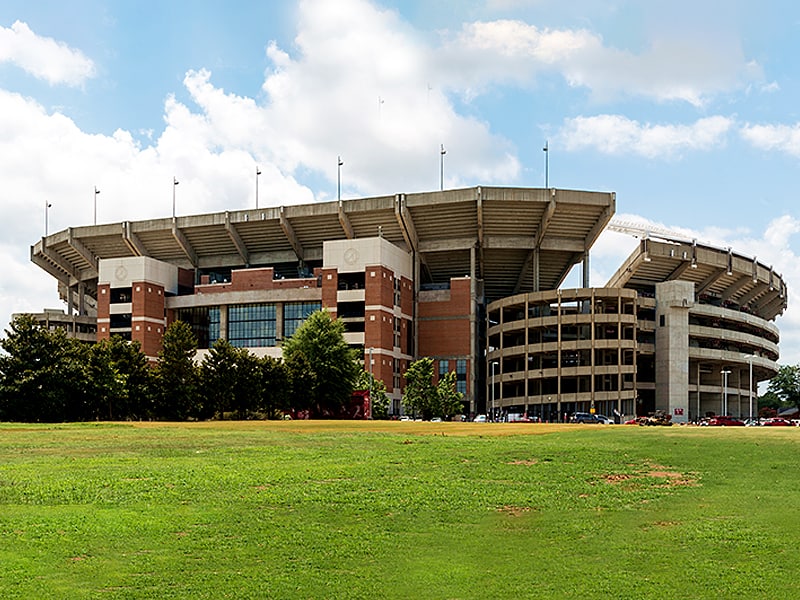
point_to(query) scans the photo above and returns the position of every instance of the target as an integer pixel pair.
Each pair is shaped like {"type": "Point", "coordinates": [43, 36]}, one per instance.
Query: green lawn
{"type": "Point", "coordinates": [397, 510]}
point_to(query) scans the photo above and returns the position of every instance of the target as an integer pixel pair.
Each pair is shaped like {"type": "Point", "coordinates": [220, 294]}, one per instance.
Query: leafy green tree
{"type": "Point", "coordinates": [275, 388]}
{"type": "Point", "coordinates": [379, 400]}
{"type": "Point", "coordinates": [43, 374]}
{"type": "Point", "coordinates": [420, 396]}
{"type": "Point", "coordinates": [786, 386]}
{"type": "Point", "coordinates": [119, 380]}
{"type": "Point", "coordinates": [324, 368]}
{"type": "Point", "coordinates": [218, 373]}
{"type": "Point", "coordinates": [176, 376]}
{"type": "Point", "coordinates": [131, 364]}
{"type": "Point", "coordinates": [231, 381]}
{"type": "Point", "coordinates": [449, 399]}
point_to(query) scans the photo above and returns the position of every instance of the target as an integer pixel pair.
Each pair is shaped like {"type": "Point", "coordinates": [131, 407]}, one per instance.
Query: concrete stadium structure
{"type": "Point", "coordinates": [470, 277]}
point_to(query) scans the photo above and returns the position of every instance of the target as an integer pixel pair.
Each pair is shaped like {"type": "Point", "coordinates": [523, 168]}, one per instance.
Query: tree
{"type": "Point", "coordinates": [379, 400]}
{"type": "Point", "coordinates": [133, 367]}
{"type": "Point", "coordinates": [275, 388]}
{"type": "Point", "coordinates": [786, 386]}
{"type": "Point", "coordinates": [449, 399]}
{"type": "Point", "coordinates": [324, 368]}
{"type": "Point", "coordinates": [42, 374]}
{"type": "Point", "coordinates": [177, 376]}
{"type": "Point", "coordinates": [119, 380]}
{"type": "Point", "coordinates": [420, 395]}
{"type": "Point", "coordinates": [231, 381]}
{"type": "Point", "coordinates": [423, 397]}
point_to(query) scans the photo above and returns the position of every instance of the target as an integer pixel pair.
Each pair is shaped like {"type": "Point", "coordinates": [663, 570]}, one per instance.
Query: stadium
{"type": "Point", "coordinates": [469, 277]}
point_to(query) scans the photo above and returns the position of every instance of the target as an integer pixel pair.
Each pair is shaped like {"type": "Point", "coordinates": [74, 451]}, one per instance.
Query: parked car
{"type": "Point", "coordinates": [604, 420]}
{"type": "Point", "coordinates": [725, 421]}
{"type": "Point", "coordinates": [777, 422]}
{"type": "Point", "coordinates": [480, 419]}
{"type": "Point", "coordinates": [582, 417]}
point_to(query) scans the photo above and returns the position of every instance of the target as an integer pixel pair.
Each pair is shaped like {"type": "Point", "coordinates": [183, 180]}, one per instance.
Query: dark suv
{"type": "Point", "coordinates": [582, 417]}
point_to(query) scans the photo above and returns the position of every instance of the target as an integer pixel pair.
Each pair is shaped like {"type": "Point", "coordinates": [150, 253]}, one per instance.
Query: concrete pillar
{"type": "Point", "coordinates": [586, 269]}
{"type": "Point", "coordinates": [81, 298]}
{"type": "Point", "coordinates": [673, 301]}
{"type": "Point", "coordinates": [223, 322]}
{"type": "Point", "coordinates": [279, 322]}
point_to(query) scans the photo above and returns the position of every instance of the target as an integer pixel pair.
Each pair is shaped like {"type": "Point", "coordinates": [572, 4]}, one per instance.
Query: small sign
{"type": "Point", "coordinates": [678, 411]}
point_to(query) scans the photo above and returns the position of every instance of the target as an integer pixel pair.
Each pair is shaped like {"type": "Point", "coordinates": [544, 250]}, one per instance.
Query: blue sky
{"type": "Point", "coordinates": [687, 110]}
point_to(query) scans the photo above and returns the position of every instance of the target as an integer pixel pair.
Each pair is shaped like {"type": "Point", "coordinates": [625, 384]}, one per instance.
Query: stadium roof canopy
{"type": "Point", "coordinates": [501, 231]}
{"type": "Point", "coordinates": [721, 275]}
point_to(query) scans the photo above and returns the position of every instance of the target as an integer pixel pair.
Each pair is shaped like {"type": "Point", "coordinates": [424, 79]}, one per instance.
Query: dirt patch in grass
{"type": "Point", "coordinates": [514, 511]}
{"type": "Point", "coordinates": [671, 477]}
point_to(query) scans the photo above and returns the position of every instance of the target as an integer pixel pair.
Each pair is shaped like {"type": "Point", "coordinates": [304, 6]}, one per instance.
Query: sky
{"type": "Point", "coordinates": [687, 110]}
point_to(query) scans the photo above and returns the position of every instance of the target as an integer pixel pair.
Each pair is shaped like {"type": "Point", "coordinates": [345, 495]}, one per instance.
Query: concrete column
{"type": "Point", "coordinates": [81, 298]}
{"type": "Point", "coordinates": [279, 322]}
{"type": "Point", "coordinates": [223, 322]}
{"type": "Point", "coordinates": [586, 269]}
{"type": "Point", "coordinates": [673, 301]}
{"type": "Point", "coordinates": [535, 269]}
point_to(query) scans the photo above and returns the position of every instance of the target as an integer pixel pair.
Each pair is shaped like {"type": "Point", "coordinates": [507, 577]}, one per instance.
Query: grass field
{"type": "Point", "coordinates": [397, 510]}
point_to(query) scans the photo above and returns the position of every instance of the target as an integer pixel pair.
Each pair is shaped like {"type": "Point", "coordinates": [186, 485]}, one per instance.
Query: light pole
{"type": "Point", "coordinates": [725, 373]}
{"type": "Point", "coordinates": [258, 172]}
{"type": "Point", "coordinates": [750, 360]}
{"type": "Point", "coordinates": [442, 152]}
{"type": "Point", "coordinates": [339, 164]}
{"type": "Point", "coordinates": [371, 378]}
{"type": "Point", "coordinates": [96, 191]}
{"type": "Point", "coordinates": [47, 206]}
{"type": "Point", "coordinates": [494, 363]}
{"type": "Point", "coordinates": [546, 151]}
{"type": "Point", "coordinates": [175, 183]}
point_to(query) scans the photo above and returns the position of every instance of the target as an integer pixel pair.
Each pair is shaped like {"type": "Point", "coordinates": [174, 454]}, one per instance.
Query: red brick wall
{"type": "Point", "coordinates": [443, 327]}
{"type": "Point", "coordinates": [103, 311]}
{"type": "Point", "coordinates": [148, 303]}
{"type": "Point", "coordinates": [380, 288]}
{"type": "Point", "coordinates": [243, 280]}
{"type": "Point", "coordinates": [329, 289]}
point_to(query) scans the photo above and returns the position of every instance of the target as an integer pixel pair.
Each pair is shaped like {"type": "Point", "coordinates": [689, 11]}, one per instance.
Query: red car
{"type": "Point", "coordinates": [724, 421]}
{"type": "Point", "coordinates": [777, 422]}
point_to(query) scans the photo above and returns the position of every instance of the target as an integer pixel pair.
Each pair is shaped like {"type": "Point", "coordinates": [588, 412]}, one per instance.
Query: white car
{"type": "Point", "coordinates": [480, 419]}
{"type": "Point", "coordinates": [604, 420]}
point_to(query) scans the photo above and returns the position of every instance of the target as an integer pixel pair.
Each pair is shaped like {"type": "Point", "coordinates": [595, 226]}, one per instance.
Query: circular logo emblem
{"type": "Point", "coordinates": [121, 273]}
{"type": "Point", "coordinates": [350, 256]}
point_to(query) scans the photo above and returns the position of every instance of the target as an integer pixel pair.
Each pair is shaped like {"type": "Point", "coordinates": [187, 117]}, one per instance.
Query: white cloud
{"type": "Point", "coordinates": [616, 134]}
{"type": "Point", "coordinates": [43, 57]}
{"type": "Point", "coordinates": [785, 138]}
{"type": "Point", "coordinates": [671, 68]}
{"type": "Point", "coordinates": [362, 85]}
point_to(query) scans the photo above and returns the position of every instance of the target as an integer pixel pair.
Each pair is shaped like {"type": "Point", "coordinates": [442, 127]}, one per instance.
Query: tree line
{"type": "Point", "coordinates": [46, 376]}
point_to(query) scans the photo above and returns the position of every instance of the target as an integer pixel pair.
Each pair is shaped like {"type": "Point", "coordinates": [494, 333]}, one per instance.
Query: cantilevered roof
{"type": "Point", "coordinates": [719, 275]}
{"type": "Point", "coordinates": [509, 236]}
